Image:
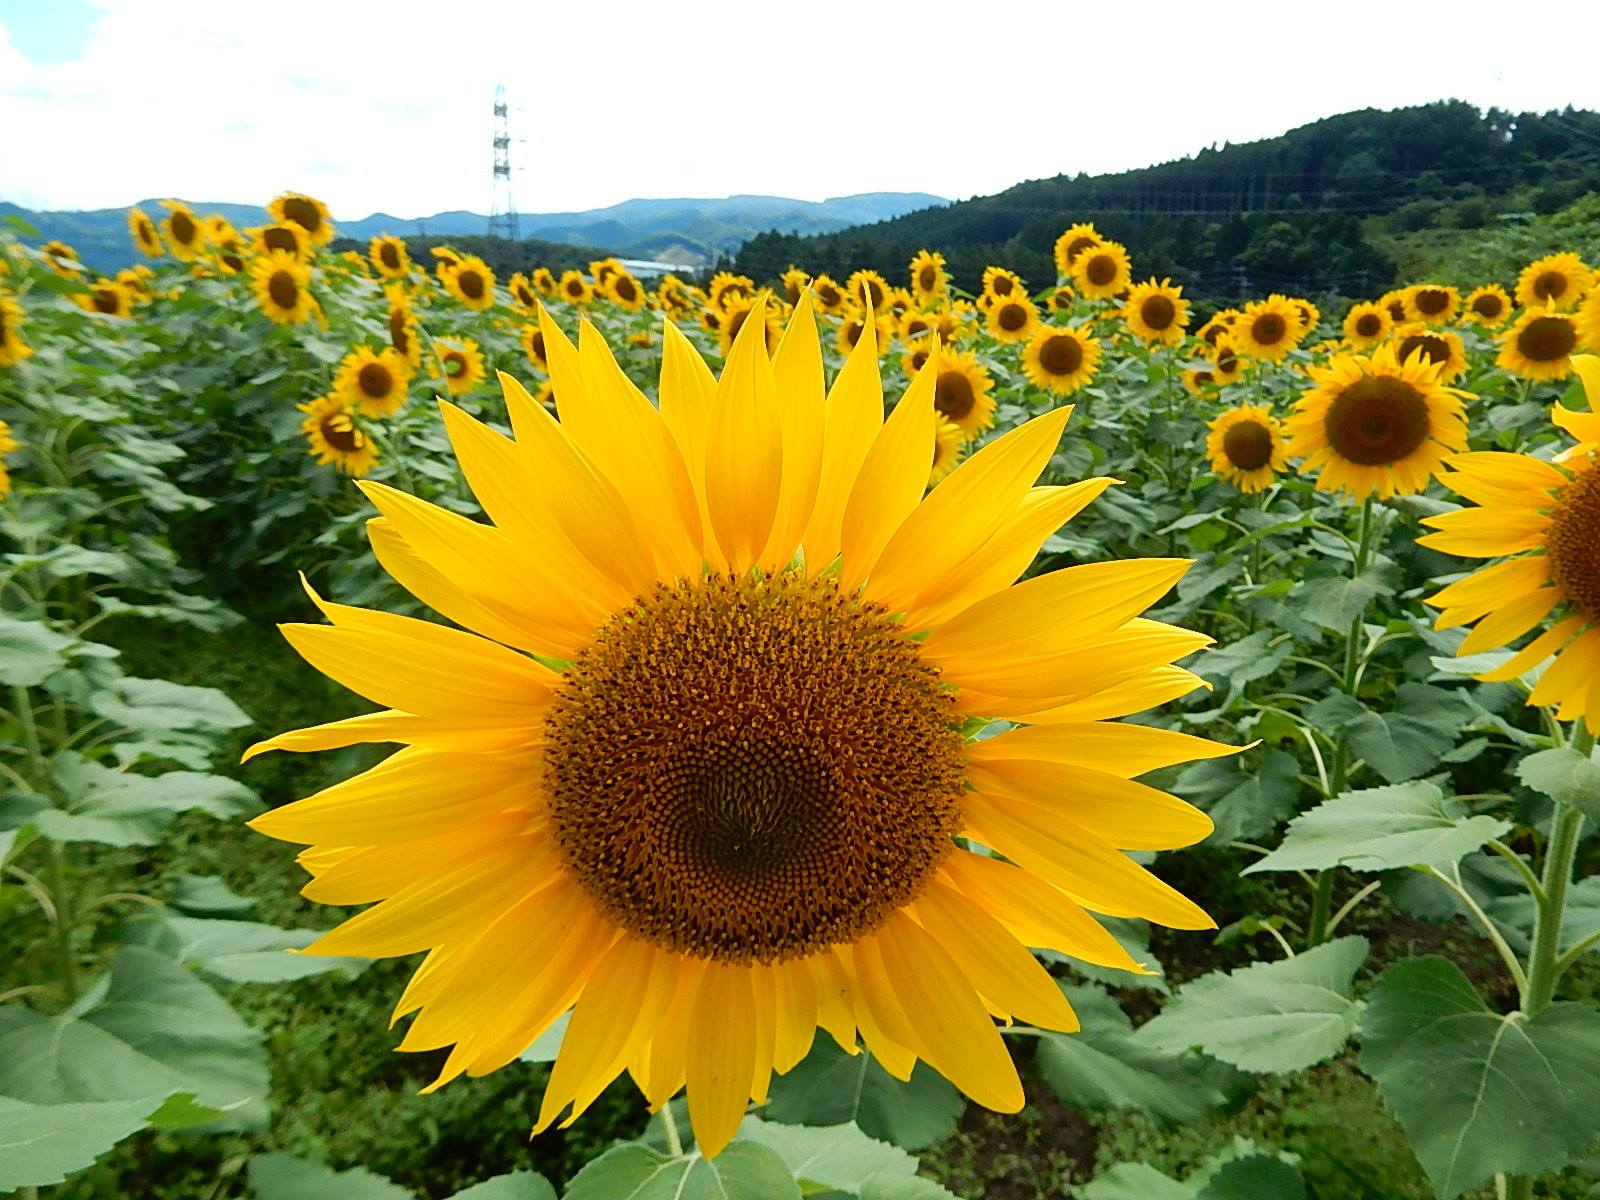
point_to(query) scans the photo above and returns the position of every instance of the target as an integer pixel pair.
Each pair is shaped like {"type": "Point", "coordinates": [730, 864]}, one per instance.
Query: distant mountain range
{"type": "Point", "coordinates": [682, 230]}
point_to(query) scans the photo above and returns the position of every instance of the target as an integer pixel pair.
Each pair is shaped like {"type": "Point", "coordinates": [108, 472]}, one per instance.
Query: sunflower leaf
{"type": "Point", "coordinates": [281, 1176]}
{"type": "Point", "coordinates": [43, 1143]}
{"type": "Point", "coordinates": [830, 1087]}
{"type": "Point", "coordinates": [227, 951]}
{"type": "Point", "coordinates": [1566, 775]}
{"type": "Point", "coordinates": [840, 1157]}
{"type": "Point", "coordinates": [633, 1171]}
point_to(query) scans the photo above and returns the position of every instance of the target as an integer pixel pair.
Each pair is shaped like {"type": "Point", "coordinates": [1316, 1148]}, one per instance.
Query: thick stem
{"type": "Point", "coordinates": [669, 1124]}
{"type": "Point", "coordinates": [1563, 849]}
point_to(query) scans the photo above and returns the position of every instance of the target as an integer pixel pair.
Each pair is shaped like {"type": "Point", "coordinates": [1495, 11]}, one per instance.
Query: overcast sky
{"type": "Point", "coordinates": [386, 106]}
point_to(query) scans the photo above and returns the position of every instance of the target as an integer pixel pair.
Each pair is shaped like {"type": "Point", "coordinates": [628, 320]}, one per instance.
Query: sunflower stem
{"type": "Point", "coordinates": [1563, 849]}
{"type": "Point", "coordinates": [669, 1126]}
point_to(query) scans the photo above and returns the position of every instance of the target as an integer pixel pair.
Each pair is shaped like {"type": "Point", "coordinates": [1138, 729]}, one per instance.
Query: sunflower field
{"type": "Point", "coordinates": [856, 738]}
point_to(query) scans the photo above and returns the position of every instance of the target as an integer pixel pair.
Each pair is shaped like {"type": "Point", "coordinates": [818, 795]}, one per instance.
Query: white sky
{"type": "Point", "coordinates": [386, 106]}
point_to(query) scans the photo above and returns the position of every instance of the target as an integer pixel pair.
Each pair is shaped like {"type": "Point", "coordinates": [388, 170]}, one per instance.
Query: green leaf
{"type": "Point", "coordinates": [285, 1177]}
{"type": "Point", "coordinates": [146, 1028]}
{"type": "Point", "coordinates": [1254, 1177]}
{"type": "Point", "coordinates": [547, 1046]}
{"type": "Point", "coordinates": [233, 951]}
{"type": "Point", "coordinates": [41, 1144]}
{"type": "Point", "coordinates": [1478, 1092]}
{"type": "Point", "coordinates": [1134, 1181]}
{"type": "Point", "coordinates": [1566, 775]}
{"type": "Point", "coordinates": [1247, 659]}
{"type": "Point", "coordinates": [119, 808]}
{"type": "Point", "coordinates": [744, 1171]}
{"type": "Point", "coordinates": [1381, 829]}
{"type": "Point", "coordinates": [1105, 1066]}
{"type": "Point", "coordinates": [30, 652]}
{"type": "Point", "coordinates": [899, 1187]}
{"type": "Point", "coordinates": [1410, 741]}
{"type": "Point", "coordinates": [840, 1157]}
{"type": "Point", "coordinates": [208, 896]}
{"type": "Point", "coordinates": [1241, 1172]}
{"type": "Point", "coordinates": [830, 1087]}
{"type": "Point", "coordinates": [1334, 602]}
{"type": "Point", "coordinates": [519, 1185]}
{"type": "Point", "coordinates": [159, 706]}
{"type": "Point", "coordinates": [1272, 1016]}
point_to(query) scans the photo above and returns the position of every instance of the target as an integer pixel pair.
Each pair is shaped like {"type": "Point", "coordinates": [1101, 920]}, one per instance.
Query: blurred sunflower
{"type": "Point", "coordinates": [523, 293]}
{"type": "Point", "coordinates": [532, 340]}
{"type": "Point", "coordinates": [601, 271]}
{"type": "Point", "coordinates": [1431, 303]}
{"type": "Point", "coordinates": [948, 446]}
{"type": "Point", "coordinates": [1102, 271]}
{"type": "Point", "coordinates": [145, 234]}
{"type": "Point", "coordinates": [1540, 344]}
{"type": "Point", "coordinates": [136, 280]}
{"type": "Point", "coordinates": [685, 589]}
{"type": "Point", "coordinates": [228, 247]}
{"type": "Point", "coordinates": [574, 288]}
{"type": "Point", "coordinates": [915, 324]}
{"type": "Point", "coordinates": [1060, 359]}
{"type": "Point", "coordinates": [794, 283]}
{"type": "Point", "coordinates": [335, 438]}
{"type": "Point", "coordinates": [12, 348]}
{"type": "Point", "coordinates": [739, 311]}
{"type": "Point", "coordinates": [544, 282]}
{"type": "Point", "coordinates": [961, 391]}
{"type": "Point", "coordinates": [1366, 324]}
{"type": "Point", "coordinates": [1226, 364]}
{"type": "Point", "coordinates": [1544, 521]}
{"type": "Point", "coordinates": [1394, 303]}
{"type": "Point", "coordinates": [853, 324]}
{"type": "Point", "coordinates": [726, 287]}
{"type": "Point", "coordinates": [546, 395]}
{"type": "Point", "coordinates": [1012, 318]}
{"type": "Point", "coordinates": [953, 323]}
{"type": "Point", "coordinates": [107, 297]}
{"type": "Point", "coordinates": [1198, 381]}
{"type": "Point", "coordinates": [1440, 347]}
{"type": "Point", "coordinates": [61, 258]}
{"type": "Point", "coordinates": [1310, 316]}
{"type": "Point", "coordinates": [404, 335]}
{"type": "Point", "coordinates": [1156, 312]}
{"type": "Point", "coordinates": [868, 289]}
{"type": "Point", "coordinates": [444, 259]}
{"type": "Point", "coordinates": [185, 234]}
{"type": "Point", "coordinates": [373, 381]}
{"type": "Point", "coordinates": [1062, 299]}
{"type": "Point", "coordinates": [830, 297]}
{"type": "Point", "coordinates": [7, 445]}
{"type": "Point", "coordinates": [1268, 329]}
{"type": "Point", "coordinates": [1000, 283]}
{"type": "Point", "coordinates": [1247, 447]}
{"type": "Point", "coordinates": [625, 291]}
{"type": "Point", "coordinates": [930, 283]}
{"type": "Point", "coordinates": [1218, 326]}
{"type": "Point", "coordinates": [710, 320]}
{"type": "Point", "coordinates": [281, 284]}
{"type": "Point", "coordinates": [390, 256]}
{"type": "Point", "coordinates": [461, 362]}
{"type": "Point", "coordinates": [1556, 281]}
{"type": "Point", "coordinates": [1071, 244]}
{"type": "Point", "coordinates": [471, 281]}
{"type": "Point", "coordinates": [285, 237]}
{"type": "Point", "coordinates": [916, 356]}
{"type": "Point", "coordinates": [308, 212]}
{"type": "Point", "coordinates": [1373, 425]}
{"type": "Point", "coordinates": [1487, 305]}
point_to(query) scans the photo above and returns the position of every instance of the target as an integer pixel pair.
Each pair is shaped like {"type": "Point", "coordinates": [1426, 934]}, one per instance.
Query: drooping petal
{"type": "Point", "coordinates": [722, 1062]}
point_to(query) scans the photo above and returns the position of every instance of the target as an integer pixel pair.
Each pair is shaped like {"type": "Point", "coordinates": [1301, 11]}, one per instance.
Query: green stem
{"type": "Point", "coordinates": [669, 1124]}
{"type": "Point", "coordinates": [55, 877]}
{"type": "Point", "coordinates": [1563, 849]}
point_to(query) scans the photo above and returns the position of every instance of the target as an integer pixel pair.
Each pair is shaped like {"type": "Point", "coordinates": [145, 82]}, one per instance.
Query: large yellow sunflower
{"type": "Point", "coordinates": [1373, 425]}
{"type": "Point", "coordinates": [334, 437]}
{"type": "Point", "coordinates": [695, 767]}
{"type": "Point", "coordinates": [1102, 270]}
{"type": "Point", "coordinates": [471, 281]}
{"type": "Point", "coordinates": [1431, 303]}
{"type": "Point", "coordinates": [1267, 329]}
{"type": "Point", "coordinates": [1540, 344]}
{"type": "Point", "coordinates": [1440, 347]}
{"type": "Point", "coordinates": [281, 284]}
{"type": "Point", "coordinates": [462, 363]}
{"type": "Point", "coordinates": [930, 282]}
{"type": "Point", "coordinates": [390, 256]}
{"type": "Point", "coordinates": [868, 289]}
{"type": "Point", "coordinates": [574, 288]}
{"type": "Point", "coordinates": [305, 211]}
{"type": "Point", "coordinates": [145, 234]}
{"type": "Point", "coordinates": [12, 348]}
{"type": "Point", "coordinates": [1071, 244]}
{"type": "Point", "coordinates": [1544, 520]}
{"type": "Point", "coordinates": [1156, 312]}
{"type": "Point", "coordinates": [286, 237]}
{"type": "Point", "coordinates": [1366, 324]}
{"type": "Point", "coordinates": [962, 391]}
{"type": "Point", "coordinates": [1247, 447]}
{"type": "Point", "coordinates": [1555, 281]}
{"type": "Point", "coordinates": [373, 381]}
{"type": "Point", "coordinates": [1001, 283]}
{"type": "Point", "coordinates": [1061, 359]}
{"type": "Point", "coordinates": [625, 291]}
{"type": "Point", "coordinates": [185, 233]}
{"type": "Point", "coordinates": [1012, 318]}
{"type": "Point", "coordinates": [1488, 305]}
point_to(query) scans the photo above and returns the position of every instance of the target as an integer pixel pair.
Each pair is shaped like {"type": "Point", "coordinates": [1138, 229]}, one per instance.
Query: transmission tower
{"type": "Point", "coordinates": [502, 209]}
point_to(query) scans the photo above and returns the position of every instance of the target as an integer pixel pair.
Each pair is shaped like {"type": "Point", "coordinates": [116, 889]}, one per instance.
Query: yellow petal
{"type": "Point", "coordinates": [892, 479]}
{"type": "Point", "coordinates": [1128, 815]}
{"type": "Point", "coordinates": [688, 392]}
{"type": "Point", "coordinates": [796, 1014]}
{"type": "Point", "coordinates": [1513, 619]}
{"type": "Point", "coordinates": [744, 448]}
{"type": "Point", "coordinates": [851, 421]}
{"type": "Point", "coordinates": [666, 1062]}
{"type": "Point", "coordinates": [1485, 532]}
{"type": "Point", "coordinates": [885, 1027]}
{"type": "Point", "coordinates": [364, 874]}
{"type": "Point", "coordinates": [1074, 671]}
{"type": "Point", "coordinates": [1135, 694]}
{"type": "Point", "coordinates": [835, 1004]}
{"type": "Point", "coordinates": [1120, 749]}
{"type": "Point", "coordinates": [466, 736]}
{"type": "Point", "coordinates": [1566, 681]}
{"type": "Point", "coordinates": [722, 1034]}
{"type": "Point", "coordinates": [1484, 590]}
{"type": "Point", "coordinates": [1535, 652]}
{"type": "Point", "coordinates": [797, 372]}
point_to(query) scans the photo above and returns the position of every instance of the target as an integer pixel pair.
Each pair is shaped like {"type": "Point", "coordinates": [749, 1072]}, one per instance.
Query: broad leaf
{"type": "Point", "coordinates": [830, 1087]}
{"type": "Point", "coordinates": [119, 808]}
{"type": "Point", "coordinates": [1565, 774]}
{"type": "Point", "coordinates": [519, 1185]}
{"type": "Point", "coordinates": [1480, 1092]}
{"type": "Point", "coordinates": [147, 1028]}
{"type": "Point", "coordinates": [208, 896]}
{"type": "Point", "coordinates": [1239, 1173]}
{"type": "Point", "coordinates": [158, 705]}
{"type": "Point", "coordinates": [1410, 740]}
{"type": "Point", "coordinates": [285, 1177]}
{"type": "Point", "coordinates": [41, 1144]}
{"type": "Point", "coordinates": [1254, 1177]}
{"type": "Point", "coordinates": [901, 1187]}
{"type": "Point", "coordinates": [30, 652]}
{"type": "Point", "coordinates": [744, 1171]}
{"type": "Point", "coordinates": [836, 1156]}
{"type": "Point", "coordinates": [1380, 829]}
{"type": "Point", "coordinates": [234, 951]}
{"type": "Point", "coordinates": [1272, 1016]}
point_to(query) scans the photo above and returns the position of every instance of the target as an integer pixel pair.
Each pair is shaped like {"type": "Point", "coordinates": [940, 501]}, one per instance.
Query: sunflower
{"type": "Point", "coordinates": [1309, 314]}
{"type": "Point", "coordinates": [373, 381]}
{"type": "Point", "coordinates": [404, 334]}
{"type": "Point", "coordinates": [1071, 244]}
{"type": "Point", "coordinates": [1394, 303]}
{"type": "Point", "coordinates": [1062, 299]}
{"type": "Point", "coordinates": [311, 214]}
{"type": "Point", "coordinates": [830, 297]}
{"type": "Point", "coordinates": [12, 348]}
{"type": "Point", "coordinates": [953, 323]}
{"type": "Point", "coordinates": [462, 364]}
{"type": "Point", "coordinates": [1218, 326]}
{"type": "Point", "coordinates": [145, 234]}
{"type": "Point", "coordinates": [532, 341]}
{"type": "Point", "coordinates": [691, 781]}
{"type": "Point", "coordinates": [389, 256]}
{"type": "Point", "coordinates": [281, 284]}
{"type": "Point", "coordinates": [1268, 329]}
{"type": "Point", "coordinates": [284, 237]}
{"type": "Point", "coordinates": [138, 285]}
{"type": "Point", "coordinates": [739, 311]}
{"type": "Point", "coordinates": [1544, 520]}
{"type": "Point", "coordinates": [1061, 359]}
{"type": "Point", "coordinates": [1431, 303]}
{"type": "Point", "coordinates": [61, 258]}
{"type": "Point", "coordinates": [867, 289]}
{"type": "Point", "coordinates": [1156, 312]}
{"type": "Point", "coordinates": [854, 323]}
{"type": "Point", "coordinates": [1247, 447]}
{"type": "Point", "coordinates": [544, 282]}
{"type": "Point", "coordinates": [444, 259]}
{"type": "Point", "coordinates": [625, 291]}
{"type": "Point", "coordinates": [916, 357]}
{"type": "Point", "coordinates": [227, 246]}
{"type": "Point", "coordinates": [602, 269]}
{"type": "Point", "coordinates": [1226, 363]}
{"type": "Point", "coordinates": [336, 439]}
{"type": "Point", "coordinates": [1540, 344]}
{"type": "Point", "coordinates": [185, 233]}
{"type": "Point", "coordinates": [998, 282]}
{"type": "Point", "coordinates": [726, 287]}
{"type": "Point", "coordinates": [1012, 318]}
{"type": "Point", "coordinates": [710, 320]}
{"type": "Point", "coordinates": [471, 281]}
{"type": "Point", "coordinates": [7, 444]}
{"type": "Point", "coordinates": [1487, 305]}
{"type": "Point", "coordinates": [1437, 346]}
{"type": "Point", "coordinates": [108, 297]}
{"type": "Point", "coordinates": [948, 446]}
{"type": "Point", "coordinates": [961, 391]}
{"type": "Point", "coordinates": [574, 288]}
{"type": "Point", "coordinates": [930, 282]}
{"type": "Point", "coordinates": [1102, 271]}
{"type": "Point", "coordinates": [915, 324]}
{"type": "Point", "coordinates": [794, 282]}
{"type": "Point", "coordinates": [1366, 324]}
{"type": "Point", "coordinates": [1376, 425]}
{"type": "Point", "coordinates": [1198, 381]}
{"type": "Point", "coordinates": [1555, 281]}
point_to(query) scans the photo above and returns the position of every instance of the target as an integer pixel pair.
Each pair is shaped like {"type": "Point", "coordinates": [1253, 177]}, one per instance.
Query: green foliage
{"type": "Point", "coordinates": [830, 1087]}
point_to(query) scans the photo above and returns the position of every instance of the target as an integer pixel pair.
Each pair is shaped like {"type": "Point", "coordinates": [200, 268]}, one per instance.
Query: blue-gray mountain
{"type": "Point", "coordinates": [686, 230]}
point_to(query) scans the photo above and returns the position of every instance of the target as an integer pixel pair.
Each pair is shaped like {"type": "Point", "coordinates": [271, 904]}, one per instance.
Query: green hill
{"type": "Point", "coordinates": [1313, 211]}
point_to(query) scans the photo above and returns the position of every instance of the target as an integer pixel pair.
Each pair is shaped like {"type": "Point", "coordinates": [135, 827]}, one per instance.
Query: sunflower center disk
{"type": "Point", "coordinates": [1269, 329]}
{"type": "Point", "coordinates": [303, 213]}
{"type": "Point", "coordinates": [751, 770]}
{"type": "Point", "coordinates": [1061, 355]}
{"type": "Point", "coordinates": [1550, 285]}
{"type": "Point", "coordinates": [1158, 312]}
{"type": "Point", "coordinates": [1377, 421]}
{"type": "Point", "coordinates": [1547, 339]}
{"type": "Point", "coordinates": [953, 395]}
{"type": "Point", "coordinates": [1432, 301]}
{"type": "Point", "coordinates": [1487, 306]}
{"type": "Point", "coordinates": [1574, 543]}
{"type": "Point", "coordinates": [1369, 325]}
{"type": "Point", "coordinates": [374, 380]}
{"type": "Point", "coordinates": [1434, 349]}
{"type": "Point", "coordinates": [1248, 445]}
{"type": "Point", "coordinates": [285, 292]}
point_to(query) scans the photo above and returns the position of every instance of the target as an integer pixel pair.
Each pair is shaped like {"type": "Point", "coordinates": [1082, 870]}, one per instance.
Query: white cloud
{"type": "Point", "coordinates": [386, 106]}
